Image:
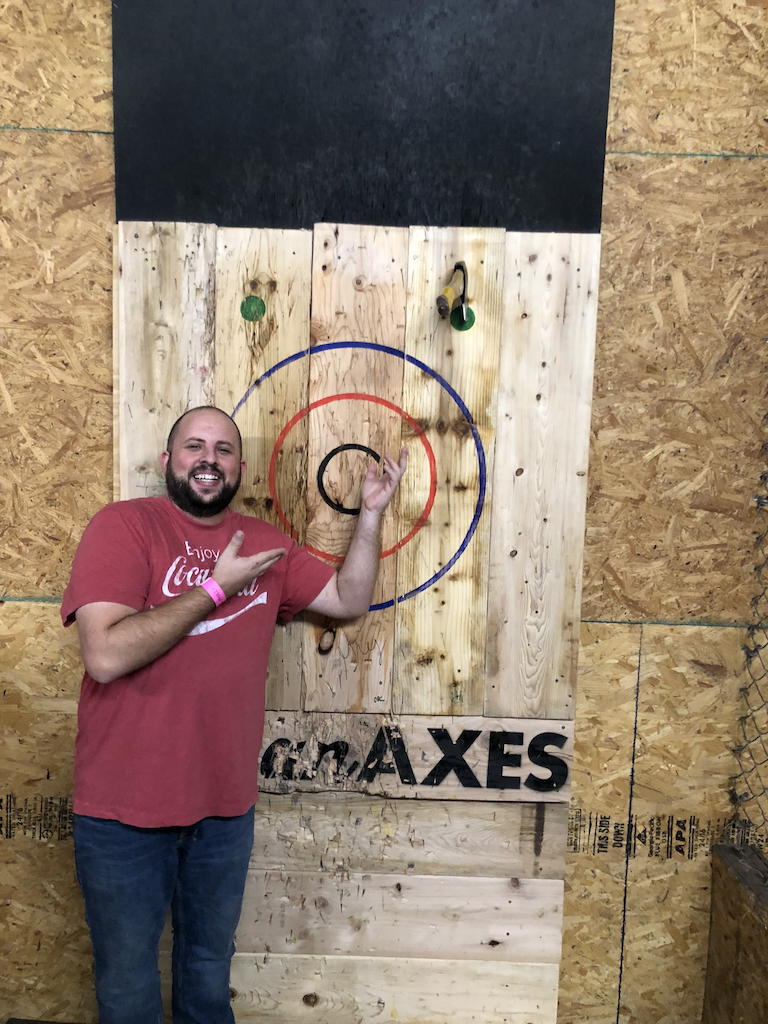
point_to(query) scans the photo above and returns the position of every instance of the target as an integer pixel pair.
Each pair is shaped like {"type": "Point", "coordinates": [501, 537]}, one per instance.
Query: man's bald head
{"type": "Point", "coordinates": [201, 408]}
{"type": "Point", "coordinates": [203, 462]}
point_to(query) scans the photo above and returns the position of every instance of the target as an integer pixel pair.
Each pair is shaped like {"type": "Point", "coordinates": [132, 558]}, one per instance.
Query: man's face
{"type": "Point", "coordinates": [203, 470]}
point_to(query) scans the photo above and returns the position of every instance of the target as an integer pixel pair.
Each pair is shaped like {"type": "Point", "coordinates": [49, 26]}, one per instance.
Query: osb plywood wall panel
{"type": "Point", "coordinates": [663, 703]}
{"type": "Point", "coordinates": [688, 77]}
{"type": "Point", "coordinates": [681, 315]}
{"type": "Point", "coordinates": [681, 308]}
{"type": "Point", "coordinates": [679, 382]}
{"type": "Point", "coordinates": [44, 946]}
{"type": "Point", "coordinates": [57, 65]}
{"type": "Point", "coordinates": [55, 359]}
{"type": "Point", "coordinates": [679, 398]}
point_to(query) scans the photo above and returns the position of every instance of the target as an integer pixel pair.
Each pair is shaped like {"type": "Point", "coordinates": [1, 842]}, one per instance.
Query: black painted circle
{"type": "Point", "coordinates": [321, 473]}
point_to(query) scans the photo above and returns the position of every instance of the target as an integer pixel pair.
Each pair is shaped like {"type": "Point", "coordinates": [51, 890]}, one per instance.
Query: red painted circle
{"type": "Point", "coordinates": [357, 398]}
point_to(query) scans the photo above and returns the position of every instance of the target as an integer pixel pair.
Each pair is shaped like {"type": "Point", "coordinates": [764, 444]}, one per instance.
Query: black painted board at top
{"type": "Point", "coordinates": [284, 113]}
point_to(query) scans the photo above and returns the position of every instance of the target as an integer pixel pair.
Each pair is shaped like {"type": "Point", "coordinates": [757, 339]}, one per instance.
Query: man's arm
{"type": "Point", "coordinates": [348, 593]}
{"type": "Point", "coordinates": [116, 639]}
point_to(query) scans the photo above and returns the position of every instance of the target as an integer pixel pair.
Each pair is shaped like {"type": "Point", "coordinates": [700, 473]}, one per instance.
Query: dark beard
{"type": "Point", "coordinates": [181, 494]}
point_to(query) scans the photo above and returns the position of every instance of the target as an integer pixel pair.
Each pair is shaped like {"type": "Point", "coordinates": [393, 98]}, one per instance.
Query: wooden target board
{"type": "Point", "coordinates": [459, 683]}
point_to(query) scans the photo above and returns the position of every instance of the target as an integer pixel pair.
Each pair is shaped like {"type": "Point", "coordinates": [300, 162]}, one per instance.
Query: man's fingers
{"type": "Point", "coordinates": [396, 469]}
{"type": "Point", "coordinates": [234, 571]}
{"type": "Point", "coordinates": [236, 543]}
{"type": "Point", "coordinates": [265, 559]}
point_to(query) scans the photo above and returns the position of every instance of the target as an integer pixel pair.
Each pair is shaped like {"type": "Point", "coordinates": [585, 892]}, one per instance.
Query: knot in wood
{"type": "Point", "coordinates": [327, 640]}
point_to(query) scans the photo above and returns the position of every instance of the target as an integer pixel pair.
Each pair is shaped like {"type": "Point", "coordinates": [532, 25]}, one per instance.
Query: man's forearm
{"type": "Point", "coordinates": [116, 640]}
{"type": "Point", "coordinates": [138, 639]}
{"type": "Point", "coordinates": [357, 576]}
{"type": "Point", "coordinates": [349, 593]}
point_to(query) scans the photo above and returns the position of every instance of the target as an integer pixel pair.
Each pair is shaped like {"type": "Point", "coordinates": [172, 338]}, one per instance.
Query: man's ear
{"type": "Point", "coordinates": [242, 465]}
{"type": "Point", "coordinates": [164, 457]}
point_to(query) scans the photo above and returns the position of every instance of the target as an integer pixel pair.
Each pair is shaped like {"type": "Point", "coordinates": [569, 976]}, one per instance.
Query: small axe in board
{"type": "Point", "coordinates": [455, 293]}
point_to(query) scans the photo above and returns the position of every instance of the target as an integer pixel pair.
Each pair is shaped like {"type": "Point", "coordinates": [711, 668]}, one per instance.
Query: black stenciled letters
{"type": "Point", "coordinates": [499, 759]}
{"type": "Point", "coordinates": [400, 754]}
{"type": "Point", "coordinates": [271, 755]}
{"type": "Point", "coordinates": [453, 759]}
{"type": "Point", "coordinates": [339, 749]}
{"type": "Point", "coordinates": [542, 759]}
{"type": "Point", "coordinates": [388, 740]}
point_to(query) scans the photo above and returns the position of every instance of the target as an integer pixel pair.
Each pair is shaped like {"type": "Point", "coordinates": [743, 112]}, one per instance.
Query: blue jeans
{"type": "Point", "coordinates": [129, 877]}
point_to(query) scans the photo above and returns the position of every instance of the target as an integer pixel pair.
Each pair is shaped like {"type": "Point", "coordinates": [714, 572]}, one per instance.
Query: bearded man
{"type": "Point", "coordinates": [176, 600]}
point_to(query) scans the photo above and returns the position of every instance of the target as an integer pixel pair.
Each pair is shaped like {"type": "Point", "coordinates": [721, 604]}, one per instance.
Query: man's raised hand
{"type": "Point", "coordinates": [232, 572]}
{"type": "Point", "coordinates": [377, 490]}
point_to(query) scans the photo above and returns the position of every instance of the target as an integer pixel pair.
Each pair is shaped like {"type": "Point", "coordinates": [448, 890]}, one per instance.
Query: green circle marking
{"type": "Point", "coordinates": [458, 322]}
{"type": "Point", "coordinates": [252, 308]}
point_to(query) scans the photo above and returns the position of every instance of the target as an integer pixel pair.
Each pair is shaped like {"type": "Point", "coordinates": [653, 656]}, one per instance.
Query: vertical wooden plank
{"type": "Point", "coordinates": [736, 986]}
{"type": "Point", "coordinates": [165, 332]}
{"type": "Point", "coordinates": [269, 270]}
{"type": "Point", "coordinates": [450, 389]}
{"type": "Point", "coordinates": [358, 300]}
{"type": "Point", "coordinates": [540, 486]}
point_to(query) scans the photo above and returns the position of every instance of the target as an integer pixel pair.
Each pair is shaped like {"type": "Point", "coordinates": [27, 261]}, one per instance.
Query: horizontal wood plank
{"type": "Point", "coordinates": [420, 757]}
{"type": "Point", "coordinates": [269, 989]}
{"type": "Point", "coordinates": [507, 919]}
{"type": "Point", "coordinates": [334, 989]}
{"type": "Point", "coordinates": [351, 832]}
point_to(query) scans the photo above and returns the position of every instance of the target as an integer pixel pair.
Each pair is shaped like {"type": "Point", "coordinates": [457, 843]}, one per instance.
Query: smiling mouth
{"type": "Point", "coordinates": [206, 478]}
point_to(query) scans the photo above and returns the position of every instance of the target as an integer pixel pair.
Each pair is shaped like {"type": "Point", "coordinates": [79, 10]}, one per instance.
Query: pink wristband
{"type": "Point", "coordinates": [214, 591]}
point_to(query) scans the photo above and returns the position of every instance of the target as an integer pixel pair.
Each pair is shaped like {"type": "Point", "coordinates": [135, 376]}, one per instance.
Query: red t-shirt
{"type": "Point", "coordinates": [179, 739]}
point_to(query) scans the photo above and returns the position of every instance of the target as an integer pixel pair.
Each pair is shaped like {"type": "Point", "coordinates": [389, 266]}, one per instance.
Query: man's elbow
{"type": "Point", "coordinates": [100, 669]}
{"type": "Point", "coordinates": [350, 609]}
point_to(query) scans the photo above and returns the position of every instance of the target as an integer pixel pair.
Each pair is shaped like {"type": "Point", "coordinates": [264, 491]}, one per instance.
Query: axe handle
{"type": "Point", "coordinates": [450, 297]}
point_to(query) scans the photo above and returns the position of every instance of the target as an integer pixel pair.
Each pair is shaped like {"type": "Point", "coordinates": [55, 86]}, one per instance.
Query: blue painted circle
{"type": "Point", "coordinates": [330, 346]}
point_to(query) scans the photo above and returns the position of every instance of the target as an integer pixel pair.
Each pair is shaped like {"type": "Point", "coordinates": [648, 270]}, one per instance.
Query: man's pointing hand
{"type": "Point", "coordinates": [232, 572]}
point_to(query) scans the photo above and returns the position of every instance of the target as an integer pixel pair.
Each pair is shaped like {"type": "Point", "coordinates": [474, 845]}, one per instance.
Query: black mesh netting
{"type": "Point", "coordinates": [750, 789]}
